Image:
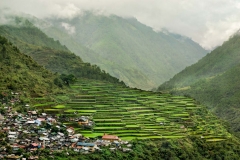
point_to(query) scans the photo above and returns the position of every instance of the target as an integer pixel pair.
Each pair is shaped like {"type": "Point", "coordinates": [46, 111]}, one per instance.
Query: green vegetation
{"type": "Point", "coordinates": [161, 126]}
{"type": "Point", "coordinates": [132, 113]}
{"type": "Point", "coordinates": [19, 73]}
{"type": "Point", "coordinates": [214, 81]}
{"type": "Point", "coordinates": [51, 54]}
{"type": "Point", "coordinates": [179, 149]}
{"type": "Point", "coordinates": [125, 48]}
{"type": "Point", "coordinates": [59, 107]}
{"type": "Point", "coordinates": [187, 130]}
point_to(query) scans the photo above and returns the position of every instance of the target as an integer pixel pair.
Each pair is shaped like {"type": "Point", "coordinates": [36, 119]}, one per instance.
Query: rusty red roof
{"type": "Point", "coordinates": [35, 144]}
{"type": "Point", "coordinates": [41, 119]}
{"type": "Point", "coordinates": [110, 137]}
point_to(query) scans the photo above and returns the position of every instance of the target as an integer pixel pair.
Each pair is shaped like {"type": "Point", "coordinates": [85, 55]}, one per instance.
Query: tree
{"type": "Point", "coordinates": [54, 129]}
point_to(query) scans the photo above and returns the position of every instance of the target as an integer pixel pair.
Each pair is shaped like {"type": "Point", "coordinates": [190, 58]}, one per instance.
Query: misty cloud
{"type": "Point", "coordinates": [68, 11]}
{"type": "Point", "coordinates": [5, 18]}
{"type": "Point", "coordinates": [208, 22]}
{"type": "Point", "coordinates": [70, 29]}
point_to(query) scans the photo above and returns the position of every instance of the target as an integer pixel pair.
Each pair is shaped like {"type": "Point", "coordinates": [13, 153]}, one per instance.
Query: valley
{"type": "Point", "coordinates": [96, 103]}
{"type": "Point", "coordinates": [125, 48]}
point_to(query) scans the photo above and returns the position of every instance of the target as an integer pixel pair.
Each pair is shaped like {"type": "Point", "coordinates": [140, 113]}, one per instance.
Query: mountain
{"type": "Point", "coordinates": [20, 73]}
{"type": "Point", "coordinates": [49, 53]}
{"type": "Point", "coordinates": [213, 81]}
{"type": "Point", "coordinates": [125, 48]}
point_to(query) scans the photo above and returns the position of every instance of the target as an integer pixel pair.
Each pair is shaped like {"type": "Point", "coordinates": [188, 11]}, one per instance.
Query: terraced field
{"type": "Point", "coordinates": [133, 113]}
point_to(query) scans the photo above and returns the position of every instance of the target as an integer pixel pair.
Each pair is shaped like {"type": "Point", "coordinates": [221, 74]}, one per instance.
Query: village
{"type": "Point", "coordinates": [33, 131]}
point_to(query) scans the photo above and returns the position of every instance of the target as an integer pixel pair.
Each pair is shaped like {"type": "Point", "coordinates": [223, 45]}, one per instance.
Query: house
{"type": "Point", "coordinates": [129, 145]}
{"type": "Point", "coordinates": [67, 144]}
{"type": "Point", "coordinates": [44, 114]}
{"type": "Point", "coordinates": [6, 129]}
{"type": "Point", "coordinates": [61, 134]}
{"type": "Point", "coordinates": [34, 146]}
{"type": "Point", "coordinates": [86, 146]}
{"type": "Point", "coordinates": [45, 141]}
{"type": "Point", "coordinates": [21, 120]}
{"type": "Point", "coordinates": [70, 131]}
{"type": "Point", "coordinates": [15, 148]}
{"type": "Point", "coordinates": [76, 149]}
{"type": "Point", "coordinates": [39, 121]}
{"type": "Point", "coordinates": [73, 139]}
{"type": "Point", "coordinates": [26, 132]}
{"type": "Point", "coordinates": [23, 142]}
{"type": "Point", "coordinates": [1, 119]}
{"type": "Point", "coordinates": [12, 138]}
{"type": "Point", "coordinates": [13, 156]}
{"type": "Point", "coordinates": [110, 138]}
{"type": "Point", "coordinates": [83, 121]}
{"type": "Point", "coordinates": [17, 125]}
{"type": "Point", "coordinates": [13, 133]}
{"type": "Point", "coordinates": [51, 120]}
{"type": "Point", "coordinates": [32, 114]}
{"type": "Point", "coordinates": [42, 130]}
{"type": "Point", "coordinates": [3, 154]}
{"type": "Point", "coordinates": [77, 135]}
{"type": "Point", "coordinates": [33, 157]}
{"type": "Point", "coordinates": [126, 149]}
{"type": "Point", "coordinates": [31, 123]}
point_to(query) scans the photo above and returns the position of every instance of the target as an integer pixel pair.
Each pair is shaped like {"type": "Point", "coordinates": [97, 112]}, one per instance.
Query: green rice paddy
{"type": "Point", "coordinates": [59, 107]}
{"type": "Point", "coordinates": [132, 113]}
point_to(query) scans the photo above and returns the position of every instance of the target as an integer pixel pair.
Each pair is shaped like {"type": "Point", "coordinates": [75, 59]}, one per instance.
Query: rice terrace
{"type": "Point", "coordinates": [132, 113]}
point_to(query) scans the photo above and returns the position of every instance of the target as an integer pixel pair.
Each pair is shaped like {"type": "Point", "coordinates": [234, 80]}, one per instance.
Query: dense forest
{"type": "Point", "coordinates": [21, 73]}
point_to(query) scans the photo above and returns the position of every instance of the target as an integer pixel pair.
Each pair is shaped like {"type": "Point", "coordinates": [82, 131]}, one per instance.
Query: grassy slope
{"type": "Point", "coordinates": [20, 73]}
{"type": "Point", "coordinates": [214, 81]}
{"type": "Point", "coordinates": [132, 45]}
{"type": "Point", "coordinates": [49, 53]}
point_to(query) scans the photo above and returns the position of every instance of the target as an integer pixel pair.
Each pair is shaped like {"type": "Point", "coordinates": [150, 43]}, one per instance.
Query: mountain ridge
{"type": "Point", "coordinates": [128, 43]}
{"type": "Point", "coordinates": [20, 73]}
{"type": "Point", "coordinates": [49, 53]}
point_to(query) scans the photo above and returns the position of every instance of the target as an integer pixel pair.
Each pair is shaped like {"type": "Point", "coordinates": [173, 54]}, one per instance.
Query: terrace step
{"type": "Point", "coordinates": [132, 113]}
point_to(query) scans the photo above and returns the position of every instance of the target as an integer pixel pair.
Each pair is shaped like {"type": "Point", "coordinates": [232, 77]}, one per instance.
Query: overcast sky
{"type": "Point", "coordinates": [208, 22]}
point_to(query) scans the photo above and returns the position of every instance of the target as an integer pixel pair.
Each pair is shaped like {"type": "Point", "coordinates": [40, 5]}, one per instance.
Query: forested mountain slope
{"type": "Point", "coordinates": [213, 81]}
{"type": "Point", "coordinates": [49, 53]}
{"type": "Point", "coordinates": [125, 48]}
{"type": "Point", "coordinates": [18, 72]}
